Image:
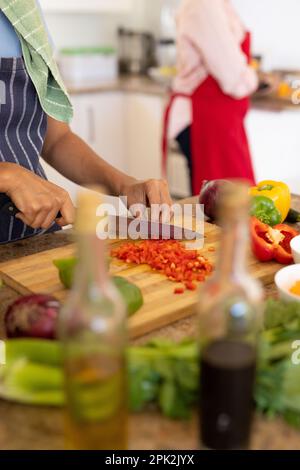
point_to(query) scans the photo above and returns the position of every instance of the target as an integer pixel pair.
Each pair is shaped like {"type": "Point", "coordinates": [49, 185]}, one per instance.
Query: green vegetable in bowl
{"type": "Point", "coordinates": [130, 293]}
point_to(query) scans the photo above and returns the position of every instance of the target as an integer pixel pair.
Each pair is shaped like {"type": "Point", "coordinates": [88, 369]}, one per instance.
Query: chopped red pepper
{"type": "Point", "coordinates": [169, 257]}
{"type": "Point", "coordinates": [272, 243]}
{"type": "Point", "coordinates": [179, 290]}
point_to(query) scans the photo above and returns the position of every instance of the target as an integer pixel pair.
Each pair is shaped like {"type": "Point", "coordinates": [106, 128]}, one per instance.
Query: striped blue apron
{"type": "Point", "coordinates": [23, 126]}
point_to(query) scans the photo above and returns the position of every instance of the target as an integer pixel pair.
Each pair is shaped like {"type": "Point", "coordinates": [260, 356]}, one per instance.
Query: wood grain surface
{"type": "Point", "coordinates": [37, 274]}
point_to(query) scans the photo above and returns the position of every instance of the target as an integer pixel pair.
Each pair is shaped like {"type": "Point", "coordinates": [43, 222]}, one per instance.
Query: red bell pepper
{"type": "Point", "coordinates": [272, 243]}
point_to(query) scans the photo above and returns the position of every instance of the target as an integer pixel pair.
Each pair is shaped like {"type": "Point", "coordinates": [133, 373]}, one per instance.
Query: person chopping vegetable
{"type": "Point", "coordinates": [35, 112]}
{"type": "Point", "coordinates": [211, 92]}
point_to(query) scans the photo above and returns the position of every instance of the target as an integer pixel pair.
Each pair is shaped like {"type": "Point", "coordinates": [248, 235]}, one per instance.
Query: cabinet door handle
{"type": "Point", "coordinates": [91, 124]}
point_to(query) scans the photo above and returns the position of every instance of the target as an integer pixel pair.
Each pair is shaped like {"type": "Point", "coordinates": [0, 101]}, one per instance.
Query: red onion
{"type": "Point", "coordinates": [209, 197]}
{"type": "Point", "coordinates": [32, 316]}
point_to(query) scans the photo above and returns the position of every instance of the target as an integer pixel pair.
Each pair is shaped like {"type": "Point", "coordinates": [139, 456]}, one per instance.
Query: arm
{"type": "Point", "coordinates": [75, 160]}
{"type": "Point", "coordinates": [205, 25]}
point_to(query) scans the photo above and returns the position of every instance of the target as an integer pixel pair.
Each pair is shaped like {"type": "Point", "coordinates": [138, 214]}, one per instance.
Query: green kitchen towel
{"type": "Point", "coordinates": [27, 20]}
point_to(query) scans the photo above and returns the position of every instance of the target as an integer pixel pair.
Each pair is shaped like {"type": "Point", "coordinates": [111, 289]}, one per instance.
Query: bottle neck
{"type": "Point", "coordinates": [92, 267]}
{"type": "Point", "coordinates": [234, 248]}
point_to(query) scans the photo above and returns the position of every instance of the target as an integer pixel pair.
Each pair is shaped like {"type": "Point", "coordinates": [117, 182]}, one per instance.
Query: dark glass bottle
{"type": "Point", "coordinates": [229, 320]}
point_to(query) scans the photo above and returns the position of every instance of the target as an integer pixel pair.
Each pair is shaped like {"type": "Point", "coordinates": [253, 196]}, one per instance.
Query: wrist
{"type": "Point", "coordinates": [120, 184]}
{"type": "Point", "coordinates": [8, 172]}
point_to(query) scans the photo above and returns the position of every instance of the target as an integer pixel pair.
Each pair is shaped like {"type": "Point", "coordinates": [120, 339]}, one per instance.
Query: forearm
{"type": "Point", "coordinates": [7, 172]}
{"type": "Point", "coordinates": [75, 160]}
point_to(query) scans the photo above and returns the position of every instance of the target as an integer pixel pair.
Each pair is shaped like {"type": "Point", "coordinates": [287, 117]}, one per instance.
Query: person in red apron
{"type": "Point", "coordinates": [210, 96]}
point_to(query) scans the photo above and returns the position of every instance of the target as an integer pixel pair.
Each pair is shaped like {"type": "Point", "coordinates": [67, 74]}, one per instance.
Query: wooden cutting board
{"type": "Point", "coordinates": [37, 274]}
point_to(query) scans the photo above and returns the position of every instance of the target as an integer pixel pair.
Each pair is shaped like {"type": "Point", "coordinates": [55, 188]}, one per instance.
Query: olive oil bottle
{"type": "Point", "coordinates": [93, 334]}
{"type": "Point", "coordinates": [230, 318]}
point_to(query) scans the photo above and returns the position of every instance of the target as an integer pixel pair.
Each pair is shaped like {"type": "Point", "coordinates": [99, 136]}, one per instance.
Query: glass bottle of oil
{"type": "Point", "coordinates": [229, 316]}
{"type": "Point", "coordinates": [93, 333]}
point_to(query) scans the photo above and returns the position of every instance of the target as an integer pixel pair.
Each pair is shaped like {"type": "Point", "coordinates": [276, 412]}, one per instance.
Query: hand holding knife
{"type": "Point", "coordinates": [8, 207]}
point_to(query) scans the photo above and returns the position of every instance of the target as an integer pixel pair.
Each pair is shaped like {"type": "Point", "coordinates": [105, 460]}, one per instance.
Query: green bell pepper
{"type": "Point", "coordinates": [131, 294]}
{"type": "Point", "coordinates": [264, 209]}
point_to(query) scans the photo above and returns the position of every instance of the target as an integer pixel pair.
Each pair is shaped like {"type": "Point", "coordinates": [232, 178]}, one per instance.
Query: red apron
{"type": "Point", "coordinates": [219, 143]}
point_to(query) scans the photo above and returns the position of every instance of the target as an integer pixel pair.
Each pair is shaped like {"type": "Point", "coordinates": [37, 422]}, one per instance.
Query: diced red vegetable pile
{"type": "Point", "coordinates": [168, 257]}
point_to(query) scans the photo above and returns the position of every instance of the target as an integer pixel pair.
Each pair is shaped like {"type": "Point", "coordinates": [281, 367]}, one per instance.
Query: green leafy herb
{"type": "Point", "coordinates": [166, 373]}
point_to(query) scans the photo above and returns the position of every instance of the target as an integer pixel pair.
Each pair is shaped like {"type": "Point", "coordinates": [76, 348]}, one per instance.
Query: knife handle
{"type": "Point", "coordinates": [8, 207]}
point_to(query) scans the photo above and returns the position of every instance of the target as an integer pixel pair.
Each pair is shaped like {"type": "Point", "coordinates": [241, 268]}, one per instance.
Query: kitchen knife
{"type": "Point", "coordinates": [127, 227]}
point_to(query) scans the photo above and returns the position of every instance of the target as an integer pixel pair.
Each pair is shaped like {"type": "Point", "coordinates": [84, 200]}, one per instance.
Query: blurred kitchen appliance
{"type": "Point", "coordinates": [136, 51]}
{"type": "Point", "coordinates": [88, 65]}
{"type": "Point", "coordinates": [166, 52]}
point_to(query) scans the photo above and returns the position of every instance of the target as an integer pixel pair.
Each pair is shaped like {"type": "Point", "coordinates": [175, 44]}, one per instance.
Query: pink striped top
{"type": "Point", "coordinates": [209, 37]}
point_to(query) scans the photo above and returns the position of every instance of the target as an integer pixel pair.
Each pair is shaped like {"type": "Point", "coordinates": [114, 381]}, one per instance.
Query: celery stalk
{"type": "Point", "coordinates": [33, 377]}
{"type": "Point", "coordinates": [40, 398]}
{"type": "Point", "coordinates": [30, 383]}
{"type": "Point", "coordinates": [34, 350]}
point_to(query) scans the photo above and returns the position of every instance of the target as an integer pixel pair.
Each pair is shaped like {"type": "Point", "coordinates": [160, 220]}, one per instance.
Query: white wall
{"type": "Point", "coordinates": [71, 29]}
{"type": "Point", "coordinates": [76, 29]}
{"type": "Point", "coordinates": [274, 24]}
{"type": "Point", "coordinates": [276, 30]}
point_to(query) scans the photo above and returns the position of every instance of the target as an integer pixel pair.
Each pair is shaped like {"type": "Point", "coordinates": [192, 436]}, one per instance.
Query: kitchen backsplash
{"type": "Point", "coordinates": [274, 24]}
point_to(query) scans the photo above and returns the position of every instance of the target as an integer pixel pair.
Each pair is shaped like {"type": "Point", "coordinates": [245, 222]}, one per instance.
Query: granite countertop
{"type": "Point", "coordinates": [146, 85]}
{"type": "Point", "coordinates": [26, 427]}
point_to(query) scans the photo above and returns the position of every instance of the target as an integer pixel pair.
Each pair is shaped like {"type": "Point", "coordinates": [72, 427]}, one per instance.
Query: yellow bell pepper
{"type": "Point", "coordinates": [278, 192]}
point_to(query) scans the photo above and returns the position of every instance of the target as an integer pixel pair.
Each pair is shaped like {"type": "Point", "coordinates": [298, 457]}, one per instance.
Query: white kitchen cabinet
{"type": "Point", "coordinates": [99, 121]}
{"type": "Point", "coordinates": [109, 6]}
{"type": "Point", "coordinates": [275, 146]}
{"type": "Point", "coordinates": [143, 131]}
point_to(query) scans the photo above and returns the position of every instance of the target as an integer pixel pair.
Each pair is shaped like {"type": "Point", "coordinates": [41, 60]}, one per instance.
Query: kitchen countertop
{"type": "Point", "coordinates": [145, 85]}
{"type": "Point", "coordinates": [133, 84]}
{"type": "Point", "coordinates": [26, 427]}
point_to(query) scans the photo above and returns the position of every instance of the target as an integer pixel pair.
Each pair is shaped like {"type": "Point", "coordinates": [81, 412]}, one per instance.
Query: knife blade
{"type": "Point", "coordinates": [125, 227]}
{"type": "Point", "coordinates": [128, 227]}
